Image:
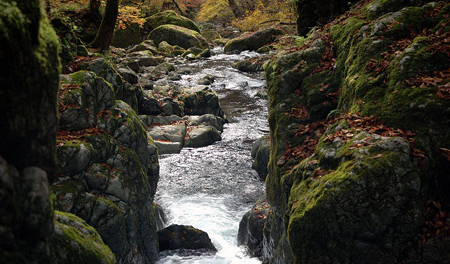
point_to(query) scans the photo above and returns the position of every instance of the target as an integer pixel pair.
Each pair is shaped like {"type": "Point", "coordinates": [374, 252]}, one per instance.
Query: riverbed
{"type": "Point", "coordinates": [212, 187]}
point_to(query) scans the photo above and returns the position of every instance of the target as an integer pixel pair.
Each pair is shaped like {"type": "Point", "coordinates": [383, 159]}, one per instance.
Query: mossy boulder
{"type": "Point", "coordinates": [252, 226]}
{"type": "Point", "coordinates": [176, 35]}
{"type": "Point", "coordinates": [261, 154]}
{"type": "Point", "coordinates": [369, 62]}
{"type": "Point", "coordinates": [75, 241]}
{"type": "Point", "coordinates": [108, 173]}
{"type": "Point", "coordinates": [30, 48]}
{"type": "Point", "coordinates": [253, 41]}
{"type": "Point", "coordinates": [366, 198]}
{"type": "Point", "coordinates": [169, 17]}
{"type": "Point", "coordinates": [30, 68]}
{"type": "Point", "coordinates": [200, 101]}
{"type": "Point", "coordinates": [126, 37]}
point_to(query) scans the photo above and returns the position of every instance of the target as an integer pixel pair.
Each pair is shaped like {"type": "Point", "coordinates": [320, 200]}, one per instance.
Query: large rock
{"type": "Point", "coordinates": [171, 18]}
{"type": "Point", "coordinates": [176, 35]}
{"type": "Point", "coordinates": [200, 101]}
{"type": "Point", "coordinates": [184, 237]}
{"type": "Point", "coordinates": [76, 242]}
{"type": "Point", "coordinates": [261, 154]}
{"type": "Point", "coordinates": [30, 48]}
{"type": "Point", "coordinates": [126, 37]}
{"type": "Point", "coordinates": [252, 228]}
{"type": "Point", "coordinates": [30, 68]}
{"type": "Point", "coordinates": [26, 221]}
{"type": "Point", "coordinates": [252, 41]}
{"type": "Point", "coordinates": [108, 168]}
{"type": "Point", "coordinates": [369, 202]}
{"type": "Point", "coordinates": [339, 184]}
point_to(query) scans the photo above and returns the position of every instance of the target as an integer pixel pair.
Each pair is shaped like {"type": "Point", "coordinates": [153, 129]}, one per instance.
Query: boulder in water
{"type": "Point", "coordinates": [261, 155]}
{"type": "Point", "coordinates": [252, 228]}
{"type": "Point", "coordinates": [184, 237]}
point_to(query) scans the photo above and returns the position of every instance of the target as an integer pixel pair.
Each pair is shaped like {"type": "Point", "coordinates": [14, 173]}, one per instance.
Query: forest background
{"type": "Point", "coordinates": [247, 15]}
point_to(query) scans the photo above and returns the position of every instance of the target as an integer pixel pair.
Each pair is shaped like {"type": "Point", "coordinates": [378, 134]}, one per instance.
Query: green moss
{"type": "Point", "coordinates": [172, 18]}
{"type": "Point", "coordinates": [75, 242]}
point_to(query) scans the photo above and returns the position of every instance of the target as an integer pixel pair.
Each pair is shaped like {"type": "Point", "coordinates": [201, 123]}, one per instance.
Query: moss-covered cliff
{"type": "Point", "coordinates": [29, 81]}
{"type": "Point", "coordinates": [359, 118]}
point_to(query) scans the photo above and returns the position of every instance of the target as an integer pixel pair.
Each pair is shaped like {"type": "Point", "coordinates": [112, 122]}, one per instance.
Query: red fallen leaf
{"type": "Point", "coordinates": [446, 153]}
{"type": "Point", "coordinates": [418, 153]}
{"type": "Point", "coordinates": [377, 156]}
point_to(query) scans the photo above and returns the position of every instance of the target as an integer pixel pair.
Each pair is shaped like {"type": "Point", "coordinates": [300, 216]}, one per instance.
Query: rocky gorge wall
{"type": "Point", "coordinates": [359, 117]}
{"type": "Point", "coordinates": [30, 230]}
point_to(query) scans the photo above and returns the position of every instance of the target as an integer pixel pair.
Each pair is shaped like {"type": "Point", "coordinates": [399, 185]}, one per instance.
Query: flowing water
{"type": "Point", "coordinates": [212, 187]}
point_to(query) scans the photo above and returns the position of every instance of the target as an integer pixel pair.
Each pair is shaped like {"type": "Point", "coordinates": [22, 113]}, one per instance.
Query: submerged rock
{"type": "Point", "coordinates": [185, 237]}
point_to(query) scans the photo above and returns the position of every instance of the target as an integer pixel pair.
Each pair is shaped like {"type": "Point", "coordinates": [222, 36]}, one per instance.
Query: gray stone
{"type": "Point", "coordinates": [128, 75]}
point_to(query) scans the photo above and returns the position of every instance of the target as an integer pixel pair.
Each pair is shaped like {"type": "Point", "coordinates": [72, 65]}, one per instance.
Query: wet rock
{"type": "Point", "coordinates": [185, 70]}
{"type": "Point", "coordinates": [145, 83]}
{"type": "Point", "coordinates": [206, 80]}
{"type": "Point", "coordinates": [168, 137]}
{"type": "Point", "coordinates": [192, 50]}
{"type": "Point", "coordinates": [200, 136]}
{"type": "Point", "coordinates": [200, 101]}
{"type": "Point", "coordinates": [180, 36]}
{"type": "Point", "coordinates": [146, 45]}
{"type": "Point", "coordinates": [252, 41]}
{"type": "Point", "coordinates": [74, 241]}
{"type": "Point", "coordinates": [102, 68]}
{"type": "Point", "coordinates": [184, 237]}
{"type": "Point", "coordinates": [252, 228]}
{"type": "Point", "coordinates": [133, 64]}
{"type": "Point", "coordinates": [149, 105]}
{"type": "Point", "coordinates": [208, 120]}
{"type": "Point", "coordinates": [172, 107]}
{"type": "Point", "coordinates": [108, 176]}
{"type": "Point", "coordinates": [251, 65]}
{"type": "Point", "coordinates": [129, 75]}
{"type": "Point", "coordinates": [261, 154]}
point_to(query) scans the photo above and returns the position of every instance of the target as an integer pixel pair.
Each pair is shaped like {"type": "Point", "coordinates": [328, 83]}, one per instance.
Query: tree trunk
{"type": "Point", "coordinates": [179, 9]}
{"type": "Point", "coordinates": [94, 7]}
{"type": "Point", "coordinates": [106, 31]}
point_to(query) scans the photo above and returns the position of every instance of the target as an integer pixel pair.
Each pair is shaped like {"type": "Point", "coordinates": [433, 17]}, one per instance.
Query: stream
{"type": "Point", "coordinates": [212, 187]}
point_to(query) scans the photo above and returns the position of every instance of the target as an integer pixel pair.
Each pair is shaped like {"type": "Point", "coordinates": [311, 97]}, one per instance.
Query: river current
{"type": "Point", "coordinates": [212, 187]}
